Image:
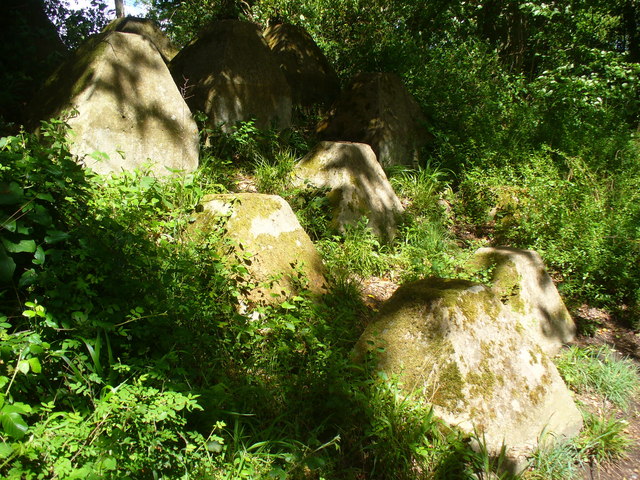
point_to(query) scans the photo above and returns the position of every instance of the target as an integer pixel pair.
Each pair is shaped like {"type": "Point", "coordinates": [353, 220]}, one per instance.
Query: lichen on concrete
{"type": "Point", "coordinates": [281, 257]}
{"type": "Point", "coordinates": [456, 343]}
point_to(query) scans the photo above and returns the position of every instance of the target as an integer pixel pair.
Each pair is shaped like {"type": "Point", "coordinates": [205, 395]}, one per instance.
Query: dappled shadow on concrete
{"type": "Point", "coordinates": [359, 186]}
{"type": "Point", "coordinates": [127, 105]}
{"type": "Point", "coordinates": [149, 30]}
{"type": "Point", "coordinates": [535, 288]}
{"type": "Point", "coordinates": [310, 75]}
{"type": "Point", "coordinates": [230, 74]}
{"type": "Point", "coordinates": [376, 109]}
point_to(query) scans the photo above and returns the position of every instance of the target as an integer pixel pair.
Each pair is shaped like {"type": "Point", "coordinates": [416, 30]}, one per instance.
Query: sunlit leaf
{"type": "Point", "coordinates": [34, 363]}
{"type": "Point", "coordinates": [23, 246]}
{"type": "Point", "coordinates": [13, 424]}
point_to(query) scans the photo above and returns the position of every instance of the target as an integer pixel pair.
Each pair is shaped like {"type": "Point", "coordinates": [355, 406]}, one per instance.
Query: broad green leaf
{"type": "Point", "coordinates": [109, 463]}
{"type": "Point", "coordinates": [23, 246]}
{"type": "Point", "coordinates": [9, 225]}
{"type": "Point", "coordinates": [34, 363]}
{"type": "Point", "coordinates": [35, 349]}
{"type": "Point", "coordinates": [41, 216]}
{"type": "Point", "coordinates": [39, 256]}
{"type": "Point", "coordinates": [45, 196]}
{"type": "Point", "coordinates": [7, 266]}
{"type": "Point", "coordinates": [27, 278]}
{"type": "Point", "coordinates": [23, 366]}
{"type": "Point", "coordinates": [5, 450]}
{"type": "Point", "coordinates": [55, 236]}
{"type": "Point", "coordinates": [13, 424]}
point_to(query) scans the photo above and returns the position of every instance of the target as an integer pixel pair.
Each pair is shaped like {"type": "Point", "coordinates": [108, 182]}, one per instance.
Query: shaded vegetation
{"type": "Point", "coordinates": [123, 353]}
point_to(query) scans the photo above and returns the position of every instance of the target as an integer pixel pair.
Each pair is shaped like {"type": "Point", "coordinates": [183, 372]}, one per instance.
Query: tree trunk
{"type": "Point", "coordinates": [119, 8]}
{"type": "Point", "coordinates": [630, 15]}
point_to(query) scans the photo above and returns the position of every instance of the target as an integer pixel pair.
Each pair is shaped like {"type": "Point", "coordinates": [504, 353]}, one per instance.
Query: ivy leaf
{"type": "Point", "coordinates": [38, 257]}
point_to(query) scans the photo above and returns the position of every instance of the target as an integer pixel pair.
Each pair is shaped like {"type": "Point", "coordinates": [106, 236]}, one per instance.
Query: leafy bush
{"type": "Point", "coordinates": [424, 243]}
{"type": "Point", "coordinates": [357, 252]}
{"type": "Point", "coordinates": [78, 252]}
{"type": "Point", "coordinates": [570, 213]}
{"type": "Point", "coordinates": [273, 176]}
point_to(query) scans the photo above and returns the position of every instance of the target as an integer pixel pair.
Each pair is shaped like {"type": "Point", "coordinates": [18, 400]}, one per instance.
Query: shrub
{"type": "Point", "coordinates": [570, 213]}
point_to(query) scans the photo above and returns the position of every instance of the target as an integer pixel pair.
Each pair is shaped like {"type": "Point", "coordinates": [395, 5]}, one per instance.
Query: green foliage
{"type": "Point", "coordinates": [39, 204]}
{"type": "Point", "coordinates": [570, 212]}
{"type": "Point", "coordinates": [76, 25]}
{"type": "Point", "coordinates": [424, 244]}
{"type": "Point", "coordinates": [555, 460]}
{"type": "Point", "coordinates": [313, 209]}
{"type": "Point", "coordinates": [77, 251]}
{"type": "Point", "coordinates": [604, 439]}
{"type": "Point", "coordinates": [274, 176]}
{"type": "Point", "coordinates": [357, 252]}
{"type": "Point", "coordinates": [126, 351]}
{"type": "Point", "coordinates": [600, 370]}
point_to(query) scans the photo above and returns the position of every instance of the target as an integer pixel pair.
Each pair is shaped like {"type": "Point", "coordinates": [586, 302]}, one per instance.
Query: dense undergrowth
{"type": "Point", "coordinates": [124, 356]}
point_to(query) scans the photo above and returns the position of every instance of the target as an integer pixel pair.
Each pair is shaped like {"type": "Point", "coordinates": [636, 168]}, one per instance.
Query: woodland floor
{"type": "Point", "coordinates": [605, 329]}
{"type": "Point", "coordinates": [601, 329]}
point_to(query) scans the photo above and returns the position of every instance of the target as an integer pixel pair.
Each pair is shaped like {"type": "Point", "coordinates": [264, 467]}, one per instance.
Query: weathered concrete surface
{"type": "Point", "coordinates": [149, 30]}
{"type": "Point", "coordinates": [282, 258]}
{"type": "Point", "coordinates": [377, 109]}
{"type": "Point", "coordinates": [521, 281]}
{"type": "Point", "coordinates": [310, 75]}
{"type": "Point", "coordinates": [358, 185]}
{"type": "Point", "coordinates": [127, 107]}
{"type": "Point", "coordinates": [230, 74]}
{"type": "Point", "coordinates": [456, 345]}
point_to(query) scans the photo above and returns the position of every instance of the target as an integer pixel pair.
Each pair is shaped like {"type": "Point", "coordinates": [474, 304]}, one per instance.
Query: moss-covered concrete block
{"type": "Point", "coordinates": [310, 75]}
{"type": "Point", "coordinates": [521, 281]}
{"type": "Point", "coordinates": [376, 109]}
{"type": "Point", "coordinates": [264, 230]}
{"type": "Point", "coordinates": [457, 346]}
{"type": "Point", "coordinates": [149, 30]}
{"type": "Point", "coordinates": [128, 110]}
{"type": "Point", "coordinates": [358, 185]}
{"type": "Point", "coordinates": [230, 74]}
